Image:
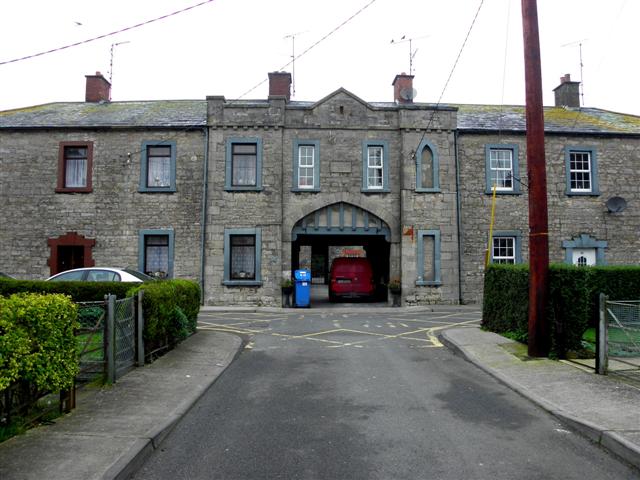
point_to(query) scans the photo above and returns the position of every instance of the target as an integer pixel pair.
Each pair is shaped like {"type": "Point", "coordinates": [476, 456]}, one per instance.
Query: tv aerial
{"type": "Point", "coordinates": [412, 52]}
{"type": "Point", "coordinates": [293, 36]}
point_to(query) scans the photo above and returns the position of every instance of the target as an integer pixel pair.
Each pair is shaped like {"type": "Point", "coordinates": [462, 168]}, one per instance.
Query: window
{"type": "Point", "coordinates": [155, 256]}
{"type": "Point", "coordinates": [242, 257]}
{"type": "Point", "coordinates": [75, 160]}
{"type": "Point", "coordinates": [582, 172]}
{"type": "Point", "coordinates": [375, 167]}
{"type": "Point", "coordinates": [584, 250]}
{"type": "Point", "coordinates": [501, 169]}
{"type": "Point", "coordinates": [428, 258]}
{"type": "Point", "coordinates": [505, 247]}
{"type": "Point", "coordinates": [243, 164]}
{"type": "Point", "coordinates": [158, 167]}
{"type": "Point", "coordinates": [427, 166]}
{"type": "Point", "coordinates": [306, 166]}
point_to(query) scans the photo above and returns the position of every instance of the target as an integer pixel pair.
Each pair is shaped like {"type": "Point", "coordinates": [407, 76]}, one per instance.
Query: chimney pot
{"type": "Point", "coordinates": [280, 84]}
{"type": "Point", "coordinates": [98, 88]}
{"type": "Point", "coordinates": [402, 84]}
{"type": "Point", "coordinates": [567, 94]}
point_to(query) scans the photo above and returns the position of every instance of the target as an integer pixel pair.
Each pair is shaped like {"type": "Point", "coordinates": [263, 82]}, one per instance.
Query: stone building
{"type": "Point", "coordinates": [239, 193]}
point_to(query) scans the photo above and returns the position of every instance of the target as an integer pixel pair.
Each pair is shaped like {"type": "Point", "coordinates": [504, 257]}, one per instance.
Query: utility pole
{"type": "Point", "coordinates": [539, 338]}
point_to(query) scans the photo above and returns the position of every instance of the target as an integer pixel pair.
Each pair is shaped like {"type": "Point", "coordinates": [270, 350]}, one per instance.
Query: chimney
{"type": "Point", "coordinates": [98, 88]}
{"type": "Point", "coordinates": [403, 88]}
{"type": "Point", "coordinates": [567, 93]}
{"type": "Point", "coordinates": [280, 84]}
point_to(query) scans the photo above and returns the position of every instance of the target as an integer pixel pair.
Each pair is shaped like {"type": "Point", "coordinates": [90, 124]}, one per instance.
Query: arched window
{"type": "Point", "coordinates": [427, 166]}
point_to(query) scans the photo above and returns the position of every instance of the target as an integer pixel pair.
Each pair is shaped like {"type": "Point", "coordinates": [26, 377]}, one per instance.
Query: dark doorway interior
{"type": "Point", "coordinates": [376, 248]}
{"type": "Point", "coordinates": [70, 257]}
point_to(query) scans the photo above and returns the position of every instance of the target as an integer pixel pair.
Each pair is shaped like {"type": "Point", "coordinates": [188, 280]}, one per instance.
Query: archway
{"type": "Point", "coordinates": [341, 230]}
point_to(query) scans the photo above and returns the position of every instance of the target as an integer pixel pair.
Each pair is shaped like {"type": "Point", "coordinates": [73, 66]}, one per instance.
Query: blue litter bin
{"type": "Point", "coordinates": [302, 280]}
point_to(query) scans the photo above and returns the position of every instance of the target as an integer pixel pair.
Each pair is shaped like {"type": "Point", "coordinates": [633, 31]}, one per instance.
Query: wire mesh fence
{"type": "Point", "coordinates": [618, 338]}
{"type": "Point", "coordinates": [623, 328]}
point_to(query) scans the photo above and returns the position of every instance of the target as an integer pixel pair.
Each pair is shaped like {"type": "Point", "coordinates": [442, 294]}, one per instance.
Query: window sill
{"type": "Point", "coordinates": [428, 190]}
{"type": "Point", "coordinates": [305, 190]}
{"type": "Point", "coordinates": [433, 283]}
{"type": "Point", "coordinates": [375, 190]}
{"type": "Point", "coordinates": [242, 283]}
{"type": "Point", "coordinates": [156, 190]}
{"type": "Point", "coordinates": [583, 194]}
{"type": "Point", "coordinates": [74, 190]}
{"type": "Point", "coordinates": [243, 189]}
{"type": "Point", "coordinates": [503, 192]}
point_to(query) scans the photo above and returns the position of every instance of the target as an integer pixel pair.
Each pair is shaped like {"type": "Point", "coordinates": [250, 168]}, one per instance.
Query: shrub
{"type": "Point", "coordinates": [573, 299]}
{"type": "Point", "coordinates": [37, 341]}
{"type": "Point", "coordinates": [170, 311]}
{"type": "Point", "coordinates": [78, 291]}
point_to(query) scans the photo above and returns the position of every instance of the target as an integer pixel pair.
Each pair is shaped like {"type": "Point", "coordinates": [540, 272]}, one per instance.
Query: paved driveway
{"type": "Point", "coordinates": [365, 394]}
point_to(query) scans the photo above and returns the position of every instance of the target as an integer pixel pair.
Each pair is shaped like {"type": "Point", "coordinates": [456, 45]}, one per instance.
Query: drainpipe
{"type": "Point", "coordinates": [458, 220]}
{"type": "Point", "coordinates": [203, 221]}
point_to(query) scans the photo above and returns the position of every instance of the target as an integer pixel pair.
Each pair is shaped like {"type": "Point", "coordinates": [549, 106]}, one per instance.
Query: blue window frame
{"type": "Point", "coordinates": [428, 258]}
{"type": "Point", "coordinates": [427, 168]}
{"type": "Point", "coordinates": [243, 164]}
{"type": "Point", "coordinates": [158, 166]}
{"type": "Point", "coordinates": [581, 169]}
{"type": "Point", "coordinates": [306, 166]}
{"type": "Point", "coordinates": [506, 247]}
{"type": "Point", "coordinates": [242, 257]}
{"type": "Point", "coordinates": [155, 252]}
{"type": "Point", "coordinates": [375, 166]}
{"type": "Point", "coordinates": [584, 241]}
{"type": "Point", "coordinates": [502, 169]}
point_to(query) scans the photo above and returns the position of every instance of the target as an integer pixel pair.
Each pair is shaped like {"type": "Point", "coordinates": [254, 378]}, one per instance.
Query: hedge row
{"type": "Point", "coordinates": [78, 291]}
{"type": "Point", "coordinates": [573, 299]}
{"type": "Point", "coordinates": [37, 342]}
{"type": "Point", "coordinates": [170, 311]}
{"type": "Point", "coordinates": [170, 306]}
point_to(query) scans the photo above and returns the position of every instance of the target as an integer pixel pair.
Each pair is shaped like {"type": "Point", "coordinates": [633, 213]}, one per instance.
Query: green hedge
{"type": "Point", "coordinates": [37, 342]}
{"type": "Point", "coordinates": [78, 291]}
{"type": "Point", "coordinates": [170, 311]}
{"type": "Point", "coordinates": [170, 306]}
{"type": "Point", "coordinates": [573, 299]}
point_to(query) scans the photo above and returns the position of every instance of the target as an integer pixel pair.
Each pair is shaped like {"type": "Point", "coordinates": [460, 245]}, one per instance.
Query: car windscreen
{"type": "Point", "coordinates": [142, 276]}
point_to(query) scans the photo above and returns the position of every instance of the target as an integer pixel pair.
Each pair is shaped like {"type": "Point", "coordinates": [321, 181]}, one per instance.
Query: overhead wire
{"type": "Point", "coordinates": [455, 64]}
{"type": "Point", "coordinates": [313, 45]}
{"type": "Point", "coordinates": [106, 35]}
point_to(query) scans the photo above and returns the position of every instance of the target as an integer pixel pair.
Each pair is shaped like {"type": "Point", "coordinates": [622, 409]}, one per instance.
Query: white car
{"type": "Point", "coordinates": [100, 274]}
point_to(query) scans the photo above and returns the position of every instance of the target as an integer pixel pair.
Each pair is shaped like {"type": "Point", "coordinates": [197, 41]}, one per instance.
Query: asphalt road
{"type": "Point", "coordinates": [365, 395]}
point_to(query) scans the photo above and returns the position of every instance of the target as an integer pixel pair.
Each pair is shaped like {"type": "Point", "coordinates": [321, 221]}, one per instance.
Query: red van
{"type": "Point", "coordinates": [351, 278]}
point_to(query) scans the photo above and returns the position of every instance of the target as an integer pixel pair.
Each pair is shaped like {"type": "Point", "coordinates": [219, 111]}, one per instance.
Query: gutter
{"type": "Point", "coordinates": [203, 221]}
{"type": "Point", "coordinates": [458, 219]}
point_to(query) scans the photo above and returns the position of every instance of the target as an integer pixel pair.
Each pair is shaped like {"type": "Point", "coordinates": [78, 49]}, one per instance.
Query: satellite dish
{"type": "Point", "coordinates": [616, 204]}
{"type": "Point", "coordinates": [408, 93]}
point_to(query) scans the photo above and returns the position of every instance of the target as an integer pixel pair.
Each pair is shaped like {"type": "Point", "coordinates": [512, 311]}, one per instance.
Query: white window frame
{"type": "Point", "coordinates": [575, 171]}
{"type": "Point", "coordinates": [504, 259]}
{"type": "Point", "coordinates": [372, 168]}
{"type": "Point", "coordinates": [495, 170]}
{"type": "Point", "coordinates": [306, 167]}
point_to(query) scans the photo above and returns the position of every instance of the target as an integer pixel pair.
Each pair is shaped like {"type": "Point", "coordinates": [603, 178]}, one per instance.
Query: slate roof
{"type": "Point", "coordinates": [193, 113]}
{"type": "Point", "coordinates": [556, 120]}
{"type": "Point", "coordinates": [160, 113]}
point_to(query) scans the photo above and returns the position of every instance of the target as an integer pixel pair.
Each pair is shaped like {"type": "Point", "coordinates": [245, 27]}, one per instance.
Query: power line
{"type": "Point", "coordinates": [126, 29]}
{"type": "Point", "coordinates": [455, 64]}
{"type": "Point", "coordinates": [312, 46]}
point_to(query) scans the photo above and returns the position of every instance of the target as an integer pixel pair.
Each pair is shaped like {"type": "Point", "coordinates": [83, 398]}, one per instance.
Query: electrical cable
{"type": "Point", "coordinates": [312, 46]}
{"type": "Point", "coordinates": [455, 64]}
{"type": "Point", "coordinates": [126, 29]}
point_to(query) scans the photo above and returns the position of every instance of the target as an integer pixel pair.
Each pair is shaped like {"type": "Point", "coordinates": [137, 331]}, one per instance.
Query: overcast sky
{"type": "Point", "coordinates": [226, 47]}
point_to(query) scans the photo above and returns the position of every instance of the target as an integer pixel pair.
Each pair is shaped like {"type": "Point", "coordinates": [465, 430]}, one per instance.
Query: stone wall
{"type": "Point", "coordinates": [569, 216]}
{"type": "Point", "coordinates": [112, 214]}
